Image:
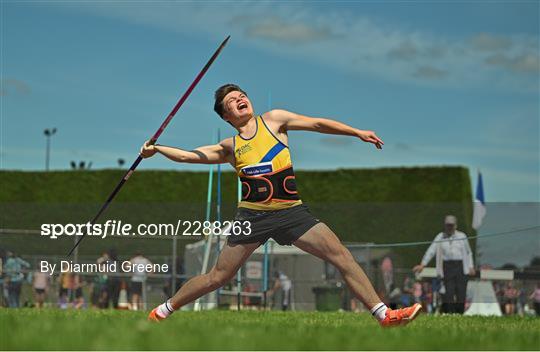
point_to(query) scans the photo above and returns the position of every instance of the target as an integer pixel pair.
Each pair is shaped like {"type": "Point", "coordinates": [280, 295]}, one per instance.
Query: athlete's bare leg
{"type": "Point", "coordinates": [323, 243]}
{"type": "Point", "coordinates": [230, 260]}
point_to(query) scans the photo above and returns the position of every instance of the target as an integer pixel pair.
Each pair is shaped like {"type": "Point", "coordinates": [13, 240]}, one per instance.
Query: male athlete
{"type": "Point", "coordinates": [260, 155]}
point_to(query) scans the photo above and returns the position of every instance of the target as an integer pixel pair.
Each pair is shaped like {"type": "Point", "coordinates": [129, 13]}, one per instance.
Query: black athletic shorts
{"type": "Point", "coordinates": [136, 287]}
{"type": "Point", "coordinates": [285, 225]}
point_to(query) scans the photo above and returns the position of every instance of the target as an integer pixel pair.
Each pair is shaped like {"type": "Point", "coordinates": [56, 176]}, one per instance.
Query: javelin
{"type": "Point", "coordinates": [154, 138]}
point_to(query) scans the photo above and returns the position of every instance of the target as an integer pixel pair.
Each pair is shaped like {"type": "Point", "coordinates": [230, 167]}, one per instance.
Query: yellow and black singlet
{"type": "Point", "coordinates": [264, 166]}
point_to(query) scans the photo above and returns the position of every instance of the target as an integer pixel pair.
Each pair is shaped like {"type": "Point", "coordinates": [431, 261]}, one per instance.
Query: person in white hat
{"type": "Point", "coordinates": [453, 262]}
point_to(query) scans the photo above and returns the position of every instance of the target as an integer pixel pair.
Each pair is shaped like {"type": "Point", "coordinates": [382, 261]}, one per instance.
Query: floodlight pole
{"type": "Point", "coordinates": [174, 263]}
{"type": "Point", "coordinates": [218, 213]}
{"type": "Point", "coordinates": [48, 134]}
{"type": "Point", "coordinates": [209, 239]}
{"type": "Point", "coordinates": [239, 272]}
{"type": "Point", "coordinates": [265, 256]}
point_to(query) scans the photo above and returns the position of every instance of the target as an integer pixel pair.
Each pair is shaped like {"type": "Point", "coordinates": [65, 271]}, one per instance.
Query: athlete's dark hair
{"type": "Point", "coordinates": [220, 94]}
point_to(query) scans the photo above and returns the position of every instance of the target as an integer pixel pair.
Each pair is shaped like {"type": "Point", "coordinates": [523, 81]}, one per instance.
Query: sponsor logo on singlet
{"type": "Point", "coordinates": [243, 150]}
{"type": "Point", "coordinates": [257, 169]}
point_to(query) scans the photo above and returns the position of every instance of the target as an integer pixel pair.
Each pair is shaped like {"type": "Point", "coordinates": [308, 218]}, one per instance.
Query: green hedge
{"type": "Point", "coordinates": [417, 184]}
{"type": "Point", "coordinates": [361, 205]}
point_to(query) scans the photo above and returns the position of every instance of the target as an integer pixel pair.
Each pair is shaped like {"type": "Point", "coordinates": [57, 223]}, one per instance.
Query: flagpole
{"type": "Point", "coordinates": [479, 209]}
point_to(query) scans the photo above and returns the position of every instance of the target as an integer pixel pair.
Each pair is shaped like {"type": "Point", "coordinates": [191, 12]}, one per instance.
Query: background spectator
{"type": "Point", "coordinates": [40, 284]}
{"type": "Point", "coordinates": [453, 263]}
{"type": "Point", "coordinates": [13, 270]}
{"type": "Point", "coordinates": [282, 282]}
{"type": "Point", "coordinates": [76, 285]}
{"type": "Point", "coordinates": [3, 288]}
{"type": "Point", "coordinates": [138, 279]}
{"type": "Point", "coordinates": [510, 298]}
{"type": "Point", "coordinates": [418, 295]}
{"type": "Point", "coordinates": [101, 285]}
{"type": "Point", "coordinates": [113, 283]}
{"type": "Point", "coordinates": [406, 296]}
{"type": "Point", "coordinates": [428, 297]}
{"type": "Point", "coordinates": [535, 296]}
{"type": "Point", "coordinates": [100, 294]}
{"type": "Point", "coordinates": [521, 301]}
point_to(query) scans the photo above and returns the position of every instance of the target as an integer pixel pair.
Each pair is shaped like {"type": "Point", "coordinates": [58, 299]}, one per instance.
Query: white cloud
{"type": "Point", "coordinates": [430, 72]}
{"type": "Point", "coordinates": [405, 51]}
{"type": "Point", "coordinates": [279, 30]}
{"type": "Point", "coordinates": [342, 40]}
{"type": "Point", "coordinates": [11, 86]}
{"type": "Point", "coordinates": [522, 63]}
{"type": "Point", "coordinates": [338, 142]}
{"type": "Point", "coordinates": [490, 42]}
{"type": "Point", "coordinates": [479, 152]}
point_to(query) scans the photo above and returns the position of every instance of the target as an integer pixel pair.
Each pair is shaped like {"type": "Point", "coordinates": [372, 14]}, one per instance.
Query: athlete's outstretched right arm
{"type": "Point", "coordinates": [209, 154]}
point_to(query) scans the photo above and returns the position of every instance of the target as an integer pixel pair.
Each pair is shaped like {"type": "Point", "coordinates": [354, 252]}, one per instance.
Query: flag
{"type": "Point", "coordinates": [479, 207]}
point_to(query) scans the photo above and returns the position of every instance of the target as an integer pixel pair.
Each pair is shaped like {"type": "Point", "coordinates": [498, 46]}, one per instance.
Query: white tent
{"type": "Point", "coordinates": [483, 299]}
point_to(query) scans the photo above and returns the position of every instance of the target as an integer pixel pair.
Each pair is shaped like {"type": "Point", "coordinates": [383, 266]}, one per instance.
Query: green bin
{"type": "Point", "coordinates": [328, 298]}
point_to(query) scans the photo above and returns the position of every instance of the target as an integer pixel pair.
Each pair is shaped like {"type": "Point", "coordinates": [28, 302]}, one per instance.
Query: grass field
{"type": "Point", "coordinates": [29, 329]}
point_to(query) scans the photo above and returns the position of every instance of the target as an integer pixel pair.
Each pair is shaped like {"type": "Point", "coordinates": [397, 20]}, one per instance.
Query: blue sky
{"type": "Point", "coordinates": [443, 83]}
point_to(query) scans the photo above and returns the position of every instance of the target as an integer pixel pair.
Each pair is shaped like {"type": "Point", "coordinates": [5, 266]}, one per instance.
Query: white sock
{"type": "Point", "coordinates": [379, 311]}
{"type": "Point", "coordinates": [165, 309]}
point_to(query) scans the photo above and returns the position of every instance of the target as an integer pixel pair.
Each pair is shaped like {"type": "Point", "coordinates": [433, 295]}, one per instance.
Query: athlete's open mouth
{"type": "Point", "coordinates": [242, 105]}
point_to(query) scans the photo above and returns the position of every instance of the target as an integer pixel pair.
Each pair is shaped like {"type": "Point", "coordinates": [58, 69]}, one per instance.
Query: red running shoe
{"type": "Point", "coordinates": [401, 316]}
